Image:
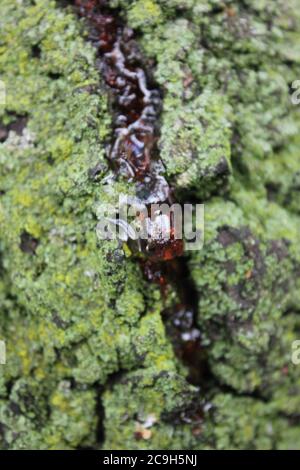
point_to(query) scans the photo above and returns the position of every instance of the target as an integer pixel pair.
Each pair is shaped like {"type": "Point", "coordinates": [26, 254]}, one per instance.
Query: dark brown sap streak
{"type": "Point", "coordinates": [133, 154]}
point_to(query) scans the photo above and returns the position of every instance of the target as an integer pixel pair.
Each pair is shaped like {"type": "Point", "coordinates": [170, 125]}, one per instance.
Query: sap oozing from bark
{"type": "Point", "coordinates": [133, 154]}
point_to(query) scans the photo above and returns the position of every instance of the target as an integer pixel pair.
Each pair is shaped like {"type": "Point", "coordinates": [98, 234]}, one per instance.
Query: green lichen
{"type": "Point", "coordinates": [143, 13]}
{"type": "Point", "coordinates": [86, 344]}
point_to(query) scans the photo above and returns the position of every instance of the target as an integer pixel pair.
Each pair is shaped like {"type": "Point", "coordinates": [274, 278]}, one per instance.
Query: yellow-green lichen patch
{"type": "Point", "coordinates": [82, 326]}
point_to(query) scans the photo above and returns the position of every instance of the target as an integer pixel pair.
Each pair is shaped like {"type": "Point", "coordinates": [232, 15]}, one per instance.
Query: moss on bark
{"type": "Point", "coordinates": [87, 351]}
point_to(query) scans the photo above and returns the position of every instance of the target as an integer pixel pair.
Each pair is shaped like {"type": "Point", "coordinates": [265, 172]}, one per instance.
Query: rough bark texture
{"type": "Point", "coordinates": [89, 361]}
